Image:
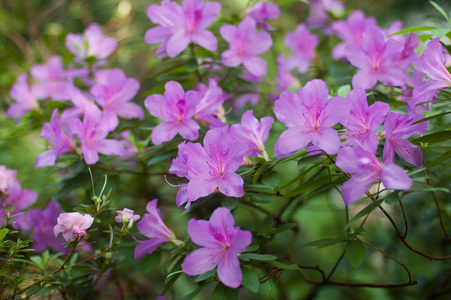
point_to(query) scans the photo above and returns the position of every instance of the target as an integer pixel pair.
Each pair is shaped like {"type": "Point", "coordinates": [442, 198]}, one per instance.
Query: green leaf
{"type": "Point", "coordinates": [282, 228]}
{"type": "Point", "coordinates": [258, 188]}
{"type": "Point", "coordinates": [271, 179]}
{"type": "Point", "coordinates": [262, 198]}
{"type": "Point", "coordinates": [355, 253]}
{"type": "Point", "coordinates": [250, 280]}
{"type": "Point", "coordinates": [206, 275]}
{"type": "Point", "coordinates": [425, 37]}
{"type": "Point", "coordinates": [323, 243]}
{"type": "Point", "coordinates": [307, 186]}
{"type": "Point", "coordinates": [191, 65]}
{"type": "Point", "coordinates": [308, 160]}
{"type": "Point", "coordinates": [68, 186]}
{"type": "Point", "coordinates": [149, 262]}
{"type": "Point", "coordinates": [222, 292]}
{"type": "Point", "coordinates": [193, 293]}
{"type": "Point", "coordinates": [344, 90]}
{"type": "Point", "coordinates": [440, 10]}
{"type": "Point", "coordinates": [413, 29]}
{"type": "Point", "coordinates": [440, 32]}
{"type": "Point", "coordinates": [283, 266]}
{"type": "Point", "coordinates": [229, 202]}
{"type": "Point", "coordinates": [3, 233]}
{"type": "Point", "coordinates": [431, 117]}
{"type": "Point", "coordinates": [251, 248]}
{"type": "Point", "coordinates": [255, 256]}
{"type": "Point", "coordinates": [392, 198]}
{"type": "Point", "coordinates": [366, 211]}
{"type": "Point", "coordinates": [440, 159]}
{"type": "Point", "coordinates": [436, 137]}
{"type": "Point", "coordinates": [162, 157]}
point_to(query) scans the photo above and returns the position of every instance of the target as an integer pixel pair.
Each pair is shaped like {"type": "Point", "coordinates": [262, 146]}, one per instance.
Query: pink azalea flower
{"type": "Point", "coordinates": [93, 132]}
{"type": "Point", "coordinates": [41, 224]}
{"type": "Point", "coordinates": [284, 78]}
{"type": "Point", "coordinates": [262, 11]}
{"type": "Point", "coordinates": [351, 31]}
{"type": "Point", "coordinates": [221, 242]}
{"type": "Point", "coordinates": [180, 25]}
{"type": "Point", "coordinates": [24, 97]}
{"type": "Point", "coordinates": [363, 120]}
{"type": "Point", "coordinates": [91, 43]}
{"type": "Point", "coordinates": [252, 133]}
{"type": "Point", "coordinates": [52, 80]}
{"type": "Point", "coordinates": [125, 216]}
{"type": "Point", "coordinates": [319, 13]}
{"type": "Point", "coordinates": [376, 58]}
{"type": "Point", "coordinates": [431, 63]}
{"type": "Point", "coordinates": [176, 109]}
{"type": "Point", "coordinates": [209, 107]}
{"type": "Point", "coordinates": [153, 227]}
{"type": "Point", "coordinates": [113, 91]}
{"type": "Point", "coordinates": [367, 169]}
{"type": "Point", "coordinates": [303, 44]}
{"type": "Point", "coordinates": [245, 45]}
{"type": "Point", "coordinates": [73, 225]}
{"type": "Point", "coordinates": [310, 115]}
{"type": "Point", "coordinates": [209, 167]}
{"type": "Point", "coordinates": [398, 128]}
{"type": "Point", "coordinates": [53, 132]}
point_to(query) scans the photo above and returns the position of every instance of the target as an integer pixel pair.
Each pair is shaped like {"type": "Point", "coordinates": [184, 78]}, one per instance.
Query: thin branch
{"type": "Point", "coordinates": [405, 219]}
{"type": "Point", "coordinates": [337, 263]}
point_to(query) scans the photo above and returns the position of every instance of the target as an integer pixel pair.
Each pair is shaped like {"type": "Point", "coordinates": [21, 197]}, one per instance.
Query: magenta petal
{"type": "Point", "coordinates": [163, 132]}
{"type": "Point", "coordinates": [201, 186]}
{"type": "Point", "coordinates": [229, 271]}
{"type": "Point", "coordinates": [189, 130]}
{"type": "Point", "coordinates": [230, 58]}
{"type": "Point", "coordinates": [364, 79]}
{"type": "Point", "coordinates": [292, 140]}
{"type": "Point", "coordinates": [231, 185]}
{"type": "Point", "coordinates": [228, 32]}
{"type": "Point", "coordinates": [177, 43]}
{"type": "Point", "coordinates": [200, 261]}
{"type": "Point", "coordinates": [255, 65]}
{"type": "Point", "coordinates": [354, 188]}
{"type": "Point", "coordinates": [394, 177]}
{"type": "Point", "coordinates": [327, 139]}
{"type": "Point", "coordinates": [206, 39]}
{"type": "Point", "coordinates": [200, 233]}
{"type": "Point", "coordinates": [147, 247]}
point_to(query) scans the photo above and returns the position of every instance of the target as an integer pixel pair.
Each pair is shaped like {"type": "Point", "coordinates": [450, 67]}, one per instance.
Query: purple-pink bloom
{"type": "Point", "coordinates": [252, 133]}
{"type": "Point", "coordinates": [125, 216]}
{"type": "Point", "coordinates": [180, 25]}
{"type": "Point", "coordinates": [221, 242]}
{"type": "Point", "coordinates": [362, 121]}
{"type": "Point", "coordinates": [209, 168]}
{"type": "Point", "coordinates": [262, 11]}
{"type": "Point", "coordinates": [176, 109]}
{"type": "Point", "coordinates": [309, 116]}
{"type": "Point", "coordinates": [351, 31]}
{"type": "Point", "coordinates": [431, 63]}
{"type": "Point", "coordinates": [52, 80]}
{"type": "Point", "coordinates": [245, 46]}
{"type": "Point", "coordinates": [13, 198]}
{"type": "Point", "coordinates": [209, 108]}
{"type": "Point", "coordinates": [41, 223]}
{"type": "Point", "coordinates": [303, 45]}
{"type": "Point", "coordinates": [91, 43]}
{"type": "Point", "coordinates": [398, 127]}
{"type": "Point", "coordinates": [153, 227]}
{"type": "Point", "coordinates": [319, 13]}
{"type": "Point", "coordinates": [284, 78]}
{"type": "Point", "coordinates": [367, 169]}
{"type": "Point", "coordinates": [53, 132]}
{"type": "Point", "coordinates": [376, 58]}
{"type": "Point", "coordinates": [73, 225]}
{"type": "Point", "coordinates": [93, 132]}
{"type": "Point", "coordinates": [113, 91]}
{"type": "Point", "coordinates": [24, 97]}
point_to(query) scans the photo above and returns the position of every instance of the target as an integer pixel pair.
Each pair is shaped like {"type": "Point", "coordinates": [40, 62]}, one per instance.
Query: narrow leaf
{"type": "Point", "coordinates": [250, 280]}
{"type": "Point", "coordinates": [222, 292]}
{"type": "Point", "coordinates": [367, 210]}
{"type": "Point", "coordinates": [355, 253]}
{"type": "Point", "coordinates": [440, 10]}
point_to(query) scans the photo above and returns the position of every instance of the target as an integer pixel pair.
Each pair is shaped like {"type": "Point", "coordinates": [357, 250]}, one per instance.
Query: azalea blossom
{"type": "Point", "coordinates": [25, 99]}
{"type": "Point", "coordinates": [176, 108]}
{"type": "Point", "coordinates": [221, 242]}
{"type": "Point", "coordinates": [61, 143]}
{"type": "Point", "coordinates": [180, 25]}
{"type": "Point", "coordinates": [362, 121]}
{"type": "Point", "coordinates": [73, 225]}
{"type": "Point", "coordinates": [153, 227]}
{"type": "Point", "coordinates": [52, 80]}
{"type": "Point", "coordinates": [309, 116]}
{"type": "Point", "coordinates": [125, 216]}
{"type": "Point", "coordinates": [91, 43]}
{"type": "Point", "coordinates": [367, 169]}
{"type": "Point", "coordinates": [262, 11]}
{"type": "Point", "coordinates": [93, 132]}
{"type": "Point", "coordinates": [209, 168]}
{"type": "Point", "coordinates": [431, 63]}
{"type": "Point", "coordinates": [245, 46]}
{"type": "Point", "coordinates": [113, 91]}
{"type": "Point", "coordinates": [398, 127]}
{"type": "Point", "coordinates": [303, 44]}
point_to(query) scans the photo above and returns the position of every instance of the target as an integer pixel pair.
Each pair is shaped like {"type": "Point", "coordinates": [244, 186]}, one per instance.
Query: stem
{"type": "Point", "coordinates": [193, 54]}
{"type": "Point", "coordinates": [337, 263]}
